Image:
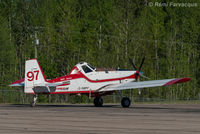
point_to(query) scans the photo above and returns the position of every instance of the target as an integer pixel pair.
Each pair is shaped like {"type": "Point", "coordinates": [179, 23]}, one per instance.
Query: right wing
{"type": "Point", "coordinates": [143, 84]}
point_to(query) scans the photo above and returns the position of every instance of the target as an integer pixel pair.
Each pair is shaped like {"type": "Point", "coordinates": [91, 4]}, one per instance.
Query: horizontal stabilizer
{"type": "Point", "coordinates": [17, 83]}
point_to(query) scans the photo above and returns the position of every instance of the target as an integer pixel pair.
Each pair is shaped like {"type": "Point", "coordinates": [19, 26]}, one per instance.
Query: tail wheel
{"type": "Point", "coordinates": [33, 103]}
{"type": "Point", "coordinates": [125, 102]}
{"type": "Point", "coordinates": [98, 102]}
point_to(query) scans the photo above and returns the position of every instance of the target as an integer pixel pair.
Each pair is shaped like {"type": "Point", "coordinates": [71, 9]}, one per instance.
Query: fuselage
{"type": "Point", "coordinates": [85, 79]}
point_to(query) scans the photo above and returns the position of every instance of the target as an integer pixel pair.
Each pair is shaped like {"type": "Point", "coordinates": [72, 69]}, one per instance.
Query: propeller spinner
{"type": "Point", "coordinates": [138, 71]}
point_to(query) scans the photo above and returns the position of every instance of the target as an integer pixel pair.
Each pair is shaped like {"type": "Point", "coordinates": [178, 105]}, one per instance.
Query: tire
{"type": "Point", "coordinates": [98, 102]}
{"type": "Point", "coordinates": [125, 102]}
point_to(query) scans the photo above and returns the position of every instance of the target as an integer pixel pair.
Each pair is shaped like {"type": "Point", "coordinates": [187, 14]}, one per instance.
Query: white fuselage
{"type": "Point", "coordinates": [94, 80]}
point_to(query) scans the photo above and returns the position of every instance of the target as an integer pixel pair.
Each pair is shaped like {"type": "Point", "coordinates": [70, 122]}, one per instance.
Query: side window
{"type": "Point", "coordinates": [86, 69]}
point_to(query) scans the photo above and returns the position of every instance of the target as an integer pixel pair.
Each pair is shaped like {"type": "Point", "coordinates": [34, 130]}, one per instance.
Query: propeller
{"type": "Point", "coordinates": [138, 72]}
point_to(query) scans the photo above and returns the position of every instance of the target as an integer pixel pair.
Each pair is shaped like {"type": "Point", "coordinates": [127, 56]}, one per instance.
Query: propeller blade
{"type": "Point", "coordinates": [131, 61]}
{"type": "Point", "coordinates": [144, 76]}
{"type": "Point", "coordinates": [137, 75]}
{"type": "Point", "coordinates": [141, 63]}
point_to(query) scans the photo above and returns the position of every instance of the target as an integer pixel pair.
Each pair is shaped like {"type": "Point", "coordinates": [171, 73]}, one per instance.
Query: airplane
{"type": "Point", "coordinates": [85, 79]}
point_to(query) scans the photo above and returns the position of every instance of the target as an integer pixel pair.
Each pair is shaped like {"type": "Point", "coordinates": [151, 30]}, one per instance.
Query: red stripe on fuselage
{"type": "Point", "coordinates": [72, 92]}
{"type": "Point", "coordinates": [64, 84]}
{"type": "Point", "coordinates": [68, 92]}
{"type": "Point", "coordinates": [80, 75]}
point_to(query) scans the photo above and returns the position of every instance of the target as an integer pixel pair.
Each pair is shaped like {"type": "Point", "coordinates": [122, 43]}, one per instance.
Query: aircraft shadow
{"type": "Point", "coordinates": [62, 105]}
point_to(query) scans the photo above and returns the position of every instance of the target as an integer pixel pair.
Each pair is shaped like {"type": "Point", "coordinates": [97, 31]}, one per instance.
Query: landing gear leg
{"type": "Point", "coordinates": [125, 102]}
{"type": "Point", "coordinates": [98, 102]}
{"type": "Point", "coordinates": [33, 103]}
{"type": "Point", "coordinates": [89, 96]}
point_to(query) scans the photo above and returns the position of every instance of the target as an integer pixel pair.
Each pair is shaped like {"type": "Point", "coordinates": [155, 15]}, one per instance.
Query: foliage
{"type": "Point", "coordinates": [104, 33]}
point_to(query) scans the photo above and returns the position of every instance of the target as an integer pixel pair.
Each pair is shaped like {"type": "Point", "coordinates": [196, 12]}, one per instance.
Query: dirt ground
{"type": "Point", "coordinates": [139, 118]}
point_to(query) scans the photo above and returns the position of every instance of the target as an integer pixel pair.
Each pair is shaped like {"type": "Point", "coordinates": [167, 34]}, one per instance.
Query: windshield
{"type": "Point", "coordinates": [91, 66]}
{"type": "Point", "coordinates": [86, 69]}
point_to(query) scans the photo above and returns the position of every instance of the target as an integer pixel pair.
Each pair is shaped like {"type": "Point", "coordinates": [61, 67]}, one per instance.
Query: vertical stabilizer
{"type": "Point", "coordinates": [34, 76]}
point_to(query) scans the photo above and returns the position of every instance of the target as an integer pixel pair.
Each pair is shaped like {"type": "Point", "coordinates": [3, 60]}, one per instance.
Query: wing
{"type": "Point", "coordinates": [144, 84]}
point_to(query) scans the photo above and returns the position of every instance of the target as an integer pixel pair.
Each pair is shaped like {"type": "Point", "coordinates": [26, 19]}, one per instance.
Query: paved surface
{"type": "Point", "coordinates": [140, 118]}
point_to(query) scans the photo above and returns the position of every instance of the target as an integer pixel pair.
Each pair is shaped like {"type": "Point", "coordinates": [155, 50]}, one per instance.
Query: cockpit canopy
{"type": "Point", "coordinates": [86, 67]}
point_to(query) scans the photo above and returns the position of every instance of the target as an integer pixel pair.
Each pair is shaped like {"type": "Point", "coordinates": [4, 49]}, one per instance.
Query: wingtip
{"type": "Point", "coordinates": [176, 81]}
{"type": "Point", "coordinates": [187, 79]}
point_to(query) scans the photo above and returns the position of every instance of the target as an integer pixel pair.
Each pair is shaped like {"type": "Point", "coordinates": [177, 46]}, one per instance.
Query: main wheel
{"type": "Point", "coordinates": [125, 102]}
{"type": "Point", "coordinates": [98, 102]}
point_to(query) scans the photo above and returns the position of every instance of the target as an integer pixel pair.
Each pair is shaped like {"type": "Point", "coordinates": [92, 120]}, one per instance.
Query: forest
{"type": "Point", "coordinates": [104, 33]}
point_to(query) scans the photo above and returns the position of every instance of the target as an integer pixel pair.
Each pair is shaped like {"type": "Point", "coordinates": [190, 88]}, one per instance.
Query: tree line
{"type": "Point", "coordinates": [104, 33]}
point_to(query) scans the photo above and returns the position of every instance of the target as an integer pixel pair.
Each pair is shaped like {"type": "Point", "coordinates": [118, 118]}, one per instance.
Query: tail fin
{"type": "Point", "coordinates": [34, 76]}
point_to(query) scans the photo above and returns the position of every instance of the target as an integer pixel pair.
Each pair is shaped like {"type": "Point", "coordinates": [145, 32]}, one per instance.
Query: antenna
{"type": "Point", "coordinates": [36, 44]}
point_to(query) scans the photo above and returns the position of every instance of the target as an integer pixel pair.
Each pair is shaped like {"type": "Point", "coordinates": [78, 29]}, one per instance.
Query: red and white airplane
{"type": "Point", "coordinates": [85, 79]}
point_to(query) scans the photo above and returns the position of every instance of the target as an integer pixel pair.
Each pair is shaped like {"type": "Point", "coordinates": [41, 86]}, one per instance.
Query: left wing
{"type": "Point", "coordinates": [143, 84]}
